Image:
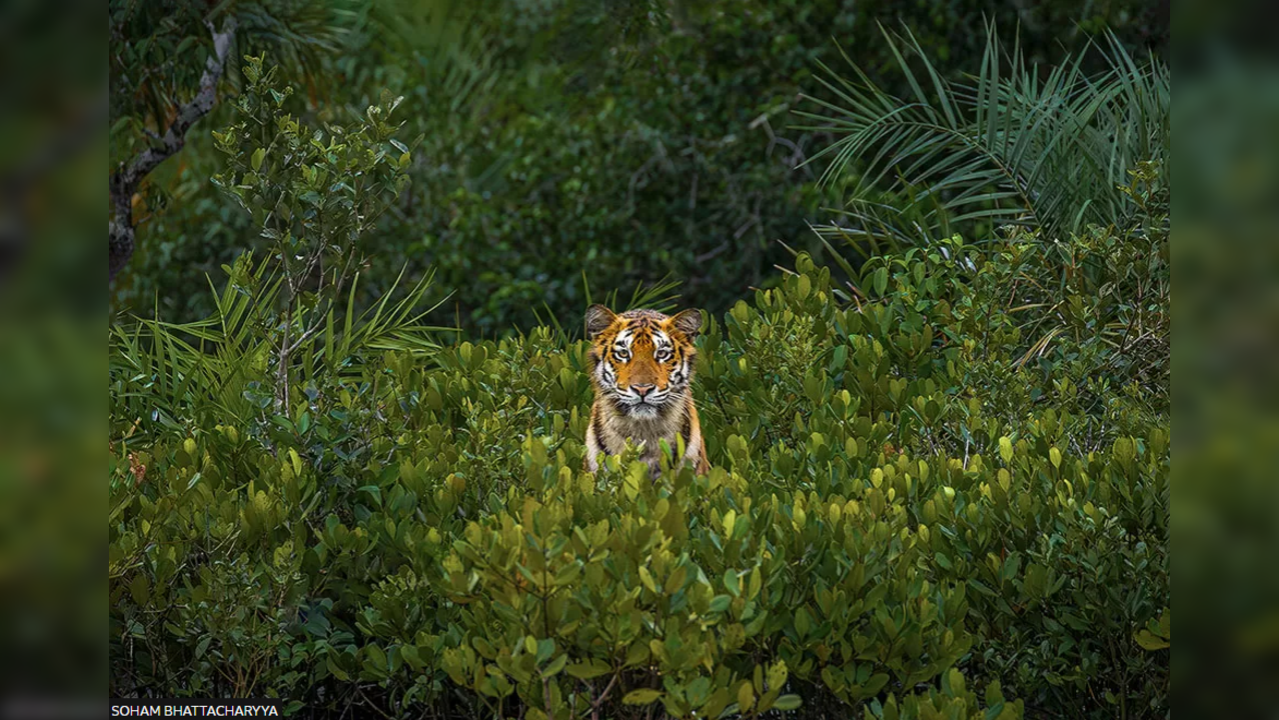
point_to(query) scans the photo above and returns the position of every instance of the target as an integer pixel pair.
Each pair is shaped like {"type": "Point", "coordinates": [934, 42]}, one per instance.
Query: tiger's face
{"type": "Point", "coordinates": [643, 360]}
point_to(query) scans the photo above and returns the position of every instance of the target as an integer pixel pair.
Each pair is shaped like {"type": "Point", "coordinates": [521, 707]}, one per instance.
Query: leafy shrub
{"type": "Point", "coordinates": [896, 503]}
{"type": "Point", "coordinates": [631, 140]}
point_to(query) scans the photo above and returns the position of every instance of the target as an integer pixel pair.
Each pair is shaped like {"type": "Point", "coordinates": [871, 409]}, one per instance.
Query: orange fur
{"type": "Point", "coordinates": [642, 370]}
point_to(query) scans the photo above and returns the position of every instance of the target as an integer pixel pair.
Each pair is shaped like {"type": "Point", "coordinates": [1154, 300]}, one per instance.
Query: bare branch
{"type": "Point", "coordinates": [124, 182]}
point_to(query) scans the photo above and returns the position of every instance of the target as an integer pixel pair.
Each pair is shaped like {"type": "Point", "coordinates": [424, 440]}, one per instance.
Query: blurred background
{"type": "Point", "coordinates": [53, 147]}
{"type": "Point", "coordinates": [633, 141]}
{"type": "Point", "coordinates": [1226, 430]}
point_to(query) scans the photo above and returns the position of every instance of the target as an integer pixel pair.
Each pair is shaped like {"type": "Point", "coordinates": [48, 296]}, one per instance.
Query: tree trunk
{"type": "Point", "coordinates": [125, 180]}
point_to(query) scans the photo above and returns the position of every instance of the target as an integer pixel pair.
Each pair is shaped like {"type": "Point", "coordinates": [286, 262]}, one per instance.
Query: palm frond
{"type": "Point", "coordinates": [659, 296]}
{"type": "Point", "coordinates": [1011, 145]}
{"type": "Point", "coordinates": [172, 373]}
{"type": "Point", "coordinates": [453, 48]}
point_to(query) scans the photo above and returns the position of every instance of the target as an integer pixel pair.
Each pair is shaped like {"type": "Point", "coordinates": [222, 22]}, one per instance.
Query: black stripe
{"type": "Point", "coordinates": [619, 406]}
{"type": "Point", "coordinates": [599, 433]}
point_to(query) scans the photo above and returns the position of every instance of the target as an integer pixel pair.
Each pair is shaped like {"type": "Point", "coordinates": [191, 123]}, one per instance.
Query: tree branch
{"type": "Point", "coordinates": [124, 181]}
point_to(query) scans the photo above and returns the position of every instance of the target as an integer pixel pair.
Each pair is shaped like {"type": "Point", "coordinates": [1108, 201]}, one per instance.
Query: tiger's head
{"type": "Point", "coordinates": [643, 360]}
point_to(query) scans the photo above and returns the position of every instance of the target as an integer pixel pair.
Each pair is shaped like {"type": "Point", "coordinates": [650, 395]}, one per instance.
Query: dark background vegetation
{"type": "Point", "coordinates": [628, 141]}
{"type": "Point", "coordinates": [933, 243]}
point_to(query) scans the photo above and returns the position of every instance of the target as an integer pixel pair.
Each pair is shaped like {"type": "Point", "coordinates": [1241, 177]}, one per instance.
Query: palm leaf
{"type": "Point", "coordinates": [176, 373]}
{"type": "Point", "coordinates": [1010, 145]}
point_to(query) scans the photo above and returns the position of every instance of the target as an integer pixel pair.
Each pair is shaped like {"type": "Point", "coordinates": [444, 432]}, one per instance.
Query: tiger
{"type": "Point", "coordinates": [642, 370]}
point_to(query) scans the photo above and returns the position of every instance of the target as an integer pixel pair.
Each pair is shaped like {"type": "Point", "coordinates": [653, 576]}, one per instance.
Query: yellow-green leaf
{"type": "Point", "coordinates": [1006, 449]}
{"type": "Point", "coordinates": [1150, 641]}
{"type": "Point", "coordinates": [730, 518]}
{"type": "Point", "coordinates": [588, 670]}
{"type": "Point", "coordinates": [647, 579]}
{"type": "Point", "coordinates": [641, 697]}
{"type": "Point", "coordinates": [787, 702]}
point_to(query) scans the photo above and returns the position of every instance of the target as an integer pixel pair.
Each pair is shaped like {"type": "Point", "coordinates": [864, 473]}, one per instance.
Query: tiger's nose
{"type": "Point", "coordinates": [642, 390]}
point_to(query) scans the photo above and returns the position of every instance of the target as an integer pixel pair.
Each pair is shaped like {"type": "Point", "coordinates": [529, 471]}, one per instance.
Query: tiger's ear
{"type": "Point", "coordinates": [688, 322]}
{"type": "Point", "coordinates": [598, 319]}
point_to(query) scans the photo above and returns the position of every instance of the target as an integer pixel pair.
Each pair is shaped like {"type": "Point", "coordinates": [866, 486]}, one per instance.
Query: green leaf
{"type": "Point", "coordinates": [589, 669]}
{"type": "Point", "coordinates": [375, 657]}
{"type": "Point", "coordinates": [373, 490]}
{"type": "Point", "coordinates": [140, 589]}
{"type": "Point", "coordinates": [803, 623]}
{"type": "Point", "coordinates": [568, 574]}
{"type": "Point", "coordinates": [731, 583]}
{"type": "Point", "coordinates": [338, 672]}
{"type": "Point", "coordinates": [647, 578]}
{"type": "Point", "coordinates": [1150, 641]}
{"type": "Point", "coordinates": [875, 683]}
{"type": "Point", "coordinates": [556, 665]}
{"type": "Point", "coordinates": [411, 656]}
{"type": "Point", "coordinates": [545, 648]}
{"type": "Point", "coordinates": [641, 697]}
{"type": "Point", "coordinates": [788, 702]}
{"type": "Point", "coordinates": [880, 280]}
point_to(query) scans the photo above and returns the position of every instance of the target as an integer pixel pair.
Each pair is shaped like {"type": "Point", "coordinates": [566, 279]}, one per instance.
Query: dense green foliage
{"type": "Point", "coordinates": [940, 471]}
{"type": "Point", "coordinates": [1016, 144]}
{"type": "Point", "coordinates": [630, 140]}
{"type": "Point", "coordinates": [895, 497]}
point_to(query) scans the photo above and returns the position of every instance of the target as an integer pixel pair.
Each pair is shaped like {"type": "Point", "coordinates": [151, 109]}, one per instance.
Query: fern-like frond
{"type": "Point", "coordinates": [174, 373]}
{"type": "Point", "coordinates": [1012, 145]}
